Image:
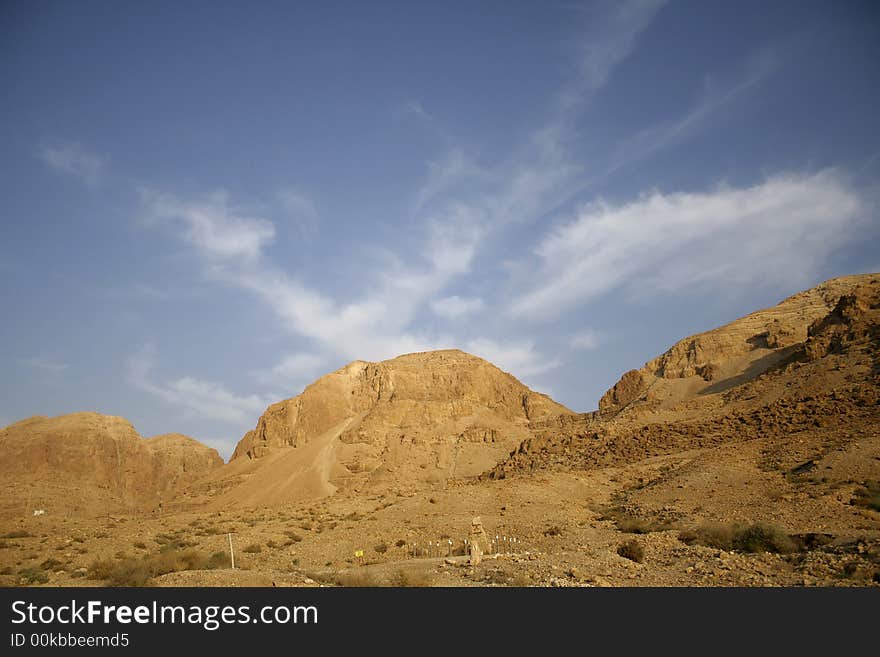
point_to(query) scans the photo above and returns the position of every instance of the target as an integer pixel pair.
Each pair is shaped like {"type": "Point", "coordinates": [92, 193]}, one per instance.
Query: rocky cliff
{"type": "Point", "coordinates": [90, 463]}
{"type": "Point", "coordinates": [808, 365]}
{"type": "Point", "coordinates": [418, 418]}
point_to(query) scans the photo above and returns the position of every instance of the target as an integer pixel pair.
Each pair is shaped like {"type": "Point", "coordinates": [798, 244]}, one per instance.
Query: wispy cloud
{"type": "Point", "coordinates": [197, 397]}
{"type": "Point", "coordinates": [75, 160]}
{"type": "Point", "coordinates": [301, 210]}
{"type": "Point", "coordinates": [293, 372]}
{"type": "Point", "coordinates": [782, 229]}
{"type": "Point", "coordinates": [374, 325]}
{"type": "Point", "coordinates": [452, 169]}
{"type": "Point", "coordinates": [44, 365]}
{"type": "Point", "coordinates": [520, 358]}
{"type": "Point", "coordinates": [717, 95]}
{"type": "Point", "coordinates": [460, 203]}
{"type": "Point", "coordinates": [585, 340]}
{"type": "Point", "coordinates": [211, 225]}
{"type": "Point", "coordinates": [454, 307]}
{"type": "Point", "coordinates": [615, 28]}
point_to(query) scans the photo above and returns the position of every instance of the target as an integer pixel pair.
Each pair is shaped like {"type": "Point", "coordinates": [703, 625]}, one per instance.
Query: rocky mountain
{"type": "Point", "coordinates": [732, 354]}
{"type": "Point", "coordinates": [87, 463]}
{"type": "Point", "coordinates": [423, 417]}
{"type": "Point", "coordinates": [810, 362]}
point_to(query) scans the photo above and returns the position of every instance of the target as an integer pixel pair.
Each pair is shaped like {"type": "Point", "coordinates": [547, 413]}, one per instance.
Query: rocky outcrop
{"type": "Point", "coordinates": [416, 419]}
{"type": "Point", "coordinates": [855, 317]}
{"type": "Point", "coordinates": [735, 352]}
{"type": "Point", "coordinates": [91, 463]}
{"type": "Point", "coordinates": [410, 399]}
{"type": "Point", "coordinates": [630, 387]}
{"type": "Point", "coordinates": [810, 364]}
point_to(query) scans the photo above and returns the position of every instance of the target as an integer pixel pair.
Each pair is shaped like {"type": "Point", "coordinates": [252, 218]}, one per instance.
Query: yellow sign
{"type": "Point", "coordinates": [358, 553]}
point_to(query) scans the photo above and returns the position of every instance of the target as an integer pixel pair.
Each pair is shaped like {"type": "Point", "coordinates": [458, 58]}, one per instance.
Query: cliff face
{"type": "Point", "coordinates": [735, 352]}
{"type": "Point", "coordinates": [440, 395]}
{"type": "Point", "coordinates": [91, 463]}
{"type": "Point", "coordinates": [808, 365]}
{"type": "Point", "coordinates": [417, 419]}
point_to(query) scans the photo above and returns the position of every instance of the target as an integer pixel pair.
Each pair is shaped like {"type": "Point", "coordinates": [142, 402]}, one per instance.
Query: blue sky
{"type": "Point", "coordinates": [208, 205]}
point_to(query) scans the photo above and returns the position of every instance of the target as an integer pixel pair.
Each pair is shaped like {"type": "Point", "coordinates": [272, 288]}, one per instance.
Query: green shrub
{"type": "Point", "coordinates": [33, 576]}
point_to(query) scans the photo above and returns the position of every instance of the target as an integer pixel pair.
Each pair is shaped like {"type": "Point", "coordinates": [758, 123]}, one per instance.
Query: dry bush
{"type": "Point", "coordinates": [630, 524]}
{"type": "Point", "coordinates": [33, 576]}
{"type": "Point", "coordinates": [869, 496]}
{"type": "Point", "coordinates": [632, 550]}
{"type": "Point", "coordinates": [412, 578]}
{"type": "Point", "coordinates": [382, 548]}
{"type": "Point", "coordinates": [757, 537]}
{"type": "Point", "coordinates": [133, 571]}
{"type": "Point", "coordinates": [555, 530]}
{"type": "Point", "coordinates": [20, 533]}
{"type": "Point", "coordinates": [51, 564]}
{"type": "Point", "coordinates": [253, 548]}
{"type": "Point", "coordinates": [140, 545]}
{"type": "Point", "coordinates": [356, 578]}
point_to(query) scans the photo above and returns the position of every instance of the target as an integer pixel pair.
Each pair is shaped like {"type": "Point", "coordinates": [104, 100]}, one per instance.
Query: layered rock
{"type": "Point", "coordinates": [91, 463]}
{"type": "Point", "coordinates": [810, 364]}
{"type": "Point", "coordinates": [418, 418]}
{"type": "Point", "coordinates": [733, 353]}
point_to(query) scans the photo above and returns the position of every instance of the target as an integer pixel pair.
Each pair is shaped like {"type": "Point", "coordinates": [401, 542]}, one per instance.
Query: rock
{"type": "Point", "coordinates": [93, 463]}
{"type": "Point", "coordinates": [409, 415]}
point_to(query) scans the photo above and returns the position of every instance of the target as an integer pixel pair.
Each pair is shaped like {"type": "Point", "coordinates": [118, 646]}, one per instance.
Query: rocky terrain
{"type": "Point", "coordinates": [748, 455]}
{"type": "Point", "coordinates": [88, 464]}
{"type": "Point", "coordinates": [418, 419]}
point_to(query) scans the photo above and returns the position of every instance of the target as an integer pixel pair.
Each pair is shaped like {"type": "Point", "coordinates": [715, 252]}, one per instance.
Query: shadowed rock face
{"type": "Point", "coordinates": [743, 348]}
{"type": "Point", "coordinates": [90, 463]}
{"type": "Point", "coordinates": [810, 364]}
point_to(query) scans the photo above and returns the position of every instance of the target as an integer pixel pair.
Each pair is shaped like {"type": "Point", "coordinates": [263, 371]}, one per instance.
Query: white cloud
{"type": "Point", "coordinates": [197, 397]}
{"type": "Point", "coordinates": [211, 225]}
{"type": "Point", "coordinates": [453, 168]}
{"type": "Point", "coordinates": [779, 230]}
{"type": "Point", "coordinates": [45, 365]}
{"type": "Point", "coordinates": [585, 340]}
{"type": "Point", "coordinates": [612, 40]}
{"type": "Point", "coordinates": [519, 358]}
{"type": "Point", "coordinates": [455, 306]}
{"type": "Point", "coordinates": [74, 160]}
